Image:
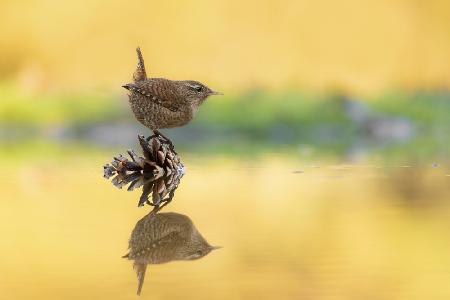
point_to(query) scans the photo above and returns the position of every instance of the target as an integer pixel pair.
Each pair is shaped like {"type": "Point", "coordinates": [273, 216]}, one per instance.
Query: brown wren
{"type": "Point", "coordinates": [162, 103]}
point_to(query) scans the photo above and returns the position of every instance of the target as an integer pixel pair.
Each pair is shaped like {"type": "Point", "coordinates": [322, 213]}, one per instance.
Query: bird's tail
{"type": "Point", "coordinates": [140, 73]}
{"type": "Point", "coordinates": [140, 269]}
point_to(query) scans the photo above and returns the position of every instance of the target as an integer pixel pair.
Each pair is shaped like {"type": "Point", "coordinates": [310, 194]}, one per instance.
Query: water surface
{"type": "Point", "coordinates": [289, 230]}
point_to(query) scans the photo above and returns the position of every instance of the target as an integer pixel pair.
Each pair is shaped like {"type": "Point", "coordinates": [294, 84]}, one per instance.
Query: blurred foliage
{"type": "Point", "coordinates": [290, 122]}
{"type": "Point", "coordinates": [256, 109]}
{"type": "Point", "coordinates": [426, 107]}
{"type": "Point", "coordinates": [55, 108]}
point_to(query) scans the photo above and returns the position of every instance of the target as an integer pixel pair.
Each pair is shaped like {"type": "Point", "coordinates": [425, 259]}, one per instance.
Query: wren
{"type": "Point", "coordinates": [162, 103]}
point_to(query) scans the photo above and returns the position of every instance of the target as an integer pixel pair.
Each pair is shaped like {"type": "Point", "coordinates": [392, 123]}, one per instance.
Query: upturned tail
{"type": "Point", "coordinates": [140, 73]}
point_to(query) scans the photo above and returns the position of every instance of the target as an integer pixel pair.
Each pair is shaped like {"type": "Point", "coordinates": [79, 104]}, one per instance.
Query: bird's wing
{"type": "Point", "coordinates": [146, 246]}
{"type": "Point", "coordinates": [158, 91]}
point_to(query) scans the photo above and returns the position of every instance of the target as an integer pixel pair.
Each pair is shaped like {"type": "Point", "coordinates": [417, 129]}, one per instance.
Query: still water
{"type": "Point", "coordinates": [288, 230]}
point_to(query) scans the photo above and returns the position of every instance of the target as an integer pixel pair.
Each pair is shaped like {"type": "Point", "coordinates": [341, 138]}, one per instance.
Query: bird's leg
{"type": "Point", "coordinates": [150, 137]}
{"type": "Point", "coordinates": [158, 133]}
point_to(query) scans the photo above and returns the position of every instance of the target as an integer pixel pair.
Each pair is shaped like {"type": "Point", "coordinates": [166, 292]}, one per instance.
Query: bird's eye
{"type": "Point", "coordinates": [196, 87]}
{"type": "Point", "coordinates": [199, 252]}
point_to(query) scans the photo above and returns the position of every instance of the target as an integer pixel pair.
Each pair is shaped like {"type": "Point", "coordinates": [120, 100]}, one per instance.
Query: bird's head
{"type": "Point", "coordinates": [196, 92]}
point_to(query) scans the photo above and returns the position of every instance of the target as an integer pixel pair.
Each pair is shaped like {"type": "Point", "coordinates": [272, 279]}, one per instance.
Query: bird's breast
{"type": "Point", "coordinates": [155, 116]}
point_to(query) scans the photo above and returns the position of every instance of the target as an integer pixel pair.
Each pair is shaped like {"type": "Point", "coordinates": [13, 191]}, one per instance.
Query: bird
{"type": "Point", "coordinates": [163, 103]}
{"type": "Point", "coordinates": [163, 237]}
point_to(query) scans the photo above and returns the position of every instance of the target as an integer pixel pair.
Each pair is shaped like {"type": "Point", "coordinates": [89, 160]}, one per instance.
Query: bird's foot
{"type": "Point", "coordinates": [157, 133]}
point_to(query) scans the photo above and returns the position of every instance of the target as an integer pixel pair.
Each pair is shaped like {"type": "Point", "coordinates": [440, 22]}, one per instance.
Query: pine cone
{"type": "Point", "coordinates": [159, 171]}
{"type": "Point", "coordinates": [159, 159]}
{"type": "Point", "coordinates": [160, 190]}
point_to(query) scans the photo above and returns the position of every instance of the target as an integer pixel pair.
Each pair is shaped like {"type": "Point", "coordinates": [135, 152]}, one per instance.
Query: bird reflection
{"type": "Point", "coordinates": [160, 237]}
{"type": "Point", "coordinates": [163, 237]}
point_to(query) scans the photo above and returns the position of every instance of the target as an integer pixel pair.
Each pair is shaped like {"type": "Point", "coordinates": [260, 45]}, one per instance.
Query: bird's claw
{"type": "Point", "coordinates": [156, 133]}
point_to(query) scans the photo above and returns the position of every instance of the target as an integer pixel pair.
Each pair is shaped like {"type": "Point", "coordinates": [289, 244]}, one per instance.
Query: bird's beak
{"type": "Point", "coordinates": [215, 247]}
{"type": "Point", "coordinates": [215, 93]}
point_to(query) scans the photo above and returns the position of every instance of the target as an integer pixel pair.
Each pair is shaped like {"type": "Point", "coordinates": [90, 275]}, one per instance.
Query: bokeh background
{"type": "Point", "coordinates": [323, 76]}
{"type": "Point", "coordinates": [323, 170]}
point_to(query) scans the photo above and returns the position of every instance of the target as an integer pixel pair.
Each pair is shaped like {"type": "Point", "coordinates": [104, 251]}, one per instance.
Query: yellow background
{"type": "Point", "coordinates": [351, 45]}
